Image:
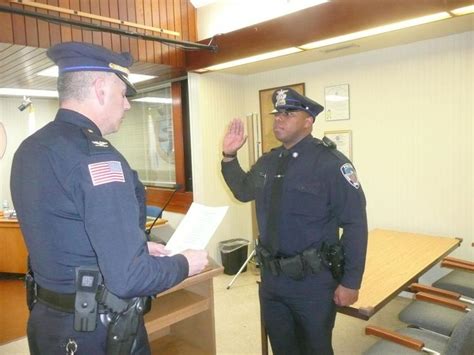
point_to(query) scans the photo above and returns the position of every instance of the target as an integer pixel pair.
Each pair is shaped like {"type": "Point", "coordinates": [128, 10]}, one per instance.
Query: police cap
{"type": "Point", "coordinates": [287, 99]}
{"type": "Point", "coordinates": [77, 56]}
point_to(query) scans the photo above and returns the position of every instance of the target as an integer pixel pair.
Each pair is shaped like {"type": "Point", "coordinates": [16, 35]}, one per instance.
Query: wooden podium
{"type": "Point", "coordinates": [181, 320]}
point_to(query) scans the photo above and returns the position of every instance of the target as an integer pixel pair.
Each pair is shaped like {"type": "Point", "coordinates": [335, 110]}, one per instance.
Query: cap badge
{"type": "Point", "coordinates": [350, 175]}
{"type": "Point", "coordinates": [281, 97]}
{"type": "Point", "coordinates": [119, 68]}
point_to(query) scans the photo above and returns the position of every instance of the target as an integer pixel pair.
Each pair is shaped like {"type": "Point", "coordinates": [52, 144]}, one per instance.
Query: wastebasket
{"type": "Point", "coordinates": [233, 255]}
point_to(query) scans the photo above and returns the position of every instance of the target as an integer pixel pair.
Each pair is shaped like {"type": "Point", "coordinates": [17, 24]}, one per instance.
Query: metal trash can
{"type": "Point", "coordinates": [233, 254]}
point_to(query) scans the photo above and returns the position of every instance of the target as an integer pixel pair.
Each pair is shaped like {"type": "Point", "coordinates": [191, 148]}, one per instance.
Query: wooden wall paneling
{"type": "Point", "coordinates": [19, 33]}
{"type": "Point", "coordinates": [76, 32]}
{"type": "Point", "coordinates": [104, 11]}
{"type": "Point", "coordinates": [171, 26]}
{"type": "Point", "coordinates": [6, 27]}
{"type": "Point", "coordinates": [183, 4]}
{"type": "Point", "coordinates": [44, 36]}
{"type": "Point", "coordinates": [165, 49]}
{"type": "Point", "coordinates": [31, 28]}
{"type": "Point", "coordinates": [66, 30]}
{"type": "Point", "coordinates": [54, 29]}
{"type": "Point", "coordinates": [123, 15]}
{"type": "Point", "coordinates": [86, 34]}
{"type": "Point", "coordinates": [177, 107]}
{"type": "Point", "coordinates": [140, 18]}
{"type": "Point", "coordinates": [155, 14]}
{"type": "Point", "coordinates": [148, 21]}
{"type": "Point", "coordinates": [114, 13]}
{"type": "Point", "coordinates": [96, 35]}
{"type": "Point", "coordinates": [192, 22]}
{"type": "Point", "coordinates": [179, 27]}
{"type": "Point", "coordinates": [131, 13]}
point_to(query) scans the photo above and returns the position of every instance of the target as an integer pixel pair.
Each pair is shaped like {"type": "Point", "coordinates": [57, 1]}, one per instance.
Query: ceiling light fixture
{"type": "Point", "coordinates": [463, 10]}
{"type": "Point", "coordinates": [134, 78]}
{"type": "Point", "coordinates": [27, 92]}
{"type": "Point", "coordinates": [252, 59]}
{"type": "Point", "coordinates": [154, 100]}
{"type": "Point", "coordinates": [377, 30]}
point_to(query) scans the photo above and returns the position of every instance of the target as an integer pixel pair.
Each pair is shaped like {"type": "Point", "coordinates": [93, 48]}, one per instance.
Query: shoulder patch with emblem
{"type": "Point", "coordinates": [350, 175]}
{"type": "Point", "coordinates": [97, 144]}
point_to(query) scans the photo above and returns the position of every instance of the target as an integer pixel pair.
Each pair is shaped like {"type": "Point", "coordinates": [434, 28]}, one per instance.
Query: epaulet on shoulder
{"type": "Point", "coordinates": [97, 144]}
{"type": "Point", "coordinates": [329, 143]}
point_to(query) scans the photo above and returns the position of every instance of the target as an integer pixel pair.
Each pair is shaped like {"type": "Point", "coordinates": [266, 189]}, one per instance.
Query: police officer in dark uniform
{"type": "Point", "coordinates": [82, 213]}
{"type": "Point", "coordinates": [305, 191]}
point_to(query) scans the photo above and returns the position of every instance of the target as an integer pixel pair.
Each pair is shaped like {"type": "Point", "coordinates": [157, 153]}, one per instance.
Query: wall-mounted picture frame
{"type": "Point", "coordinates": [343, 141]}
{"type": "Point", "coordinates": [337, 101]}
{"type": "Point", "coordinates": [266, 106]}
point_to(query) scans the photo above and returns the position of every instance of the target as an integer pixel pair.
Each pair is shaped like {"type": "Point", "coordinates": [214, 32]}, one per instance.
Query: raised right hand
{"type": "Point", "coordinates": [197, 260]}
{"type": "Point", "coordinates": [234, 138]}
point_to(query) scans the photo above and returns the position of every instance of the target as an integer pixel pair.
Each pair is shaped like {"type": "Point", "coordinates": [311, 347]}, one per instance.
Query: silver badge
{"type": "Point", "coordinates": [281, 97]}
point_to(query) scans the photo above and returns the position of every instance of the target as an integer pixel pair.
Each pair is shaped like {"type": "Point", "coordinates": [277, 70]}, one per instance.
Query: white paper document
{"type": "Point", "coordinates": [196, 228]}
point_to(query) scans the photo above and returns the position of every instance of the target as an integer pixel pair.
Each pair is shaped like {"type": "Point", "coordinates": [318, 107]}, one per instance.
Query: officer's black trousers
{"type": "Point", "coordinates": [299, 324]}
{"type": "Point", "coordinates": [50, 330]}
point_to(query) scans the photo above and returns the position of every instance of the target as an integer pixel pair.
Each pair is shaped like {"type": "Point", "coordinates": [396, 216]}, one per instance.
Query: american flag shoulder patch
{"type": "Point", "coordinates": [106, 172]}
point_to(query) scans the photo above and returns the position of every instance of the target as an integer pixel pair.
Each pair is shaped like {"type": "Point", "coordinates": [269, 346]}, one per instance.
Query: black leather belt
{"type": "Point", "coordinates": [63, 302]}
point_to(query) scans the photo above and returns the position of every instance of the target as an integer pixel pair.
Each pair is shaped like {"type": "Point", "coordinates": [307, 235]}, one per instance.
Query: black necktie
{"type": "Point", "coordinates": [274, 215]}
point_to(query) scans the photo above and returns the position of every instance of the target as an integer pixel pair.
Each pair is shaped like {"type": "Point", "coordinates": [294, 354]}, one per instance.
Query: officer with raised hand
{"type": "Point", "coordinates": [81, 211]}
{"type": "Point", "coordinates": [305, 190]}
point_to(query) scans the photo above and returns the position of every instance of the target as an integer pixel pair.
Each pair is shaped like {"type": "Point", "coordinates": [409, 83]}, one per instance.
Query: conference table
{"type": "Point", "coordinates": [394, 261]}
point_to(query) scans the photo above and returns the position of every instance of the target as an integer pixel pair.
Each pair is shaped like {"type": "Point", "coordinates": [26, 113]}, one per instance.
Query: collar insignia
{"type": "Point", "coordinates": [102, 144]}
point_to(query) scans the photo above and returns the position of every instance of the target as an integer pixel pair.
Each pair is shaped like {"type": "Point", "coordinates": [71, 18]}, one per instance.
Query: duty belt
{"type": "Point", "coordinates": [296, 267]}
{"type": "Point", "coordinates": [63, 302]}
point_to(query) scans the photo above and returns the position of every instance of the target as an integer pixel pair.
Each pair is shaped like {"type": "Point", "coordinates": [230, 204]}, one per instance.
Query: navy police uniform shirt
{"type": "Point", "coordinates": [79, 203]}
{"type": "Point", "coordinates": [321, 194]}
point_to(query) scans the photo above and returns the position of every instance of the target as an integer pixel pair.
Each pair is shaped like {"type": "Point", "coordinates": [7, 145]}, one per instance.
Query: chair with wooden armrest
{"type": "Point", "coordinates": [416, 287]}
{"type": "Point", "coordinates": [460, 280]}
{"type": "Point", "coordinates": [416, 341]}
{"type": "Point", "coordinates": [435, 313]}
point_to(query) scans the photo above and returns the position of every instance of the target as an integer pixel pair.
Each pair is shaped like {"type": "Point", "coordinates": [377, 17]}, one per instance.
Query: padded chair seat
{"type": "Point", "coordinates": [461, 341]}
{"type": "Point", "coordinates": [457, 281]}
{"type": "Point", "coordinates": [431, 316]}
{"type": "Point", "coordinates": [432, 341]}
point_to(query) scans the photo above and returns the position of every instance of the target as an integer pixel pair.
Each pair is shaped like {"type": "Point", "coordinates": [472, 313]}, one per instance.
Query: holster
{"type": "Point", "coordinates": [123, 328]}
{"type": "Point", "coordinates": [31, 290]}
{"type": "Point", "coordinates": [333, 256]}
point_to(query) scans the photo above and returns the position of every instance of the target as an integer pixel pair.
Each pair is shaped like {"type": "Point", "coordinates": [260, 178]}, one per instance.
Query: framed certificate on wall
{"type": "Point", "coordinates": [343, 141]}
{"type": "Point", "coordinates": [337, 102]}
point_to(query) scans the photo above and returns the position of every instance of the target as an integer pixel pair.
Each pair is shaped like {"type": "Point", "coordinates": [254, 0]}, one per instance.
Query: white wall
{"type": "Point", "coordinates": [214, 100]}
{"type": "Point", "coordinates": [18, 126]}
{"type": "Point", "coordinates": [411, 120]}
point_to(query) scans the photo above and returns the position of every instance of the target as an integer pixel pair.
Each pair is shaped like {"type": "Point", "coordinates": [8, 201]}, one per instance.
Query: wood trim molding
{"type": "Point", "coordinates": [331, 19]}
{"type": "Point", "coordinates": [180, 202]}
{"type": "Point", "coordinates": [92, 16]}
